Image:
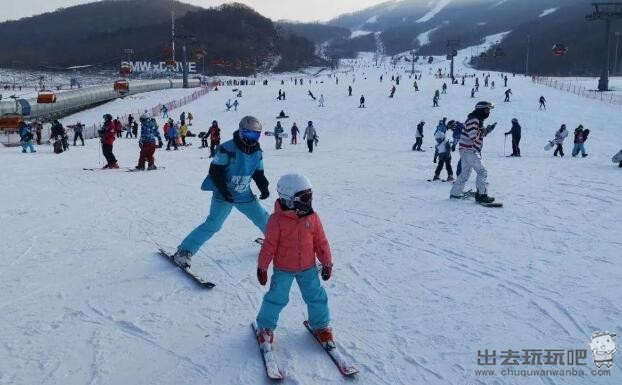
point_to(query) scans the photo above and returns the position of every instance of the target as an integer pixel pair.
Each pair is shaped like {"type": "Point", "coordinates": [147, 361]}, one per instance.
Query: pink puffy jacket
{"type": "Point", "coordinates": [294, 242]}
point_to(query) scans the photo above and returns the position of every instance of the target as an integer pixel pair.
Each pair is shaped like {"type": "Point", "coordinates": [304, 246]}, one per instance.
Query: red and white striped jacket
{"type": "Point", "coordinates": [472, 136]}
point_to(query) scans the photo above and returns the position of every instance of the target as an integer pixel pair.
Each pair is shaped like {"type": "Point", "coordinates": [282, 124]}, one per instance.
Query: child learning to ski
{"type": "Point", "coordinates": [294, 238]}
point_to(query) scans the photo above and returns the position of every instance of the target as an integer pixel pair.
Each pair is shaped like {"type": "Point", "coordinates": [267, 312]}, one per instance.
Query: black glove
{"type": "Point", "coordinates": [327, 271]}
{"type": "Point", "coordinates": [264, 195]}
{"type": "Point", "coordinates": [160, 144]}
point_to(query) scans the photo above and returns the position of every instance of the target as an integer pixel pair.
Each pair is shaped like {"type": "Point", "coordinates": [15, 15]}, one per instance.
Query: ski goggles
{"type": "Point", "coordinates": [304, 197]}
{"type": "Point", "coordinates": [251, 135]}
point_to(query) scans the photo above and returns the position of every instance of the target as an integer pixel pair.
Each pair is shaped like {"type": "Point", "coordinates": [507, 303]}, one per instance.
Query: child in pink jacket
{"type": "Point", "coordinates": [294, 238]}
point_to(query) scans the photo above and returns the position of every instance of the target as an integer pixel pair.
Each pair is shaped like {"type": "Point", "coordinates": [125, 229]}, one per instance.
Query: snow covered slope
{"type": "Point", "coordinates": [420, 283]}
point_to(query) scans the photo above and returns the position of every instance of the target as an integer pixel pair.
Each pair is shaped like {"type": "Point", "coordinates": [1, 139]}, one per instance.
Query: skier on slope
{"type": "Point", "coordinates": [515, 131]}
{"type": "Point", "coordinates": [77, 130]}
{"type": "Point", "coordinates": [349, 90]}
{"type": "Point", "coordinates": [321, 101]}
{"type": "Point", "coordinates": [237, 162]}
{"type": "Point", "coordinates": [443, 149]}
{"type": "Point", "coordinates": [508, 92]}
{"type": "Point", "coordinates": [471, 142]}
{"type": "Point", "coordinates": [26, 137]}
{"type": "Point", "coordinates": [107, 136]}
{"type": "Point", "coordinates": [148, 135]}
{"type": "Point", "coordinates": [278, 135]}
{"type": "Point", "coordinates": [560, 135]}
{"type": "Point", "coordinates": [214, 137]}
{"type": "Point", "coordinates": [419, 136]}
{"type": "Point", "coordinates": [172, 134]}
{"type": "Point", "coordinates": [294, 131]}
{"type": "Point", "coordinates": [439, 133]}
{"type": "Point", "coordinates": [362, 102]}
{"type": "Point", "coordinates": [310, 135]}
{"type": "Point", "coordinates": [542, 101]}
{"type": "Point", "coordinates": [294, 239]}
{"type": "Point", "coordinates": [435, 101]}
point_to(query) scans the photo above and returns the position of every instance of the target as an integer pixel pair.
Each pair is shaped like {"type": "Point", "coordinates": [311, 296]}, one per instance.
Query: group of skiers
{"type": "Point", "coordinates": [294, 236]}
{"type": "Point", "coordinates": [310, 135]}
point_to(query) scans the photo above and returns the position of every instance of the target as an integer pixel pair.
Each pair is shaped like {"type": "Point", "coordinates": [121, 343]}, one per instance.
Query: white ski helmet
{"type": "Point", "coordinates": [291, 184]}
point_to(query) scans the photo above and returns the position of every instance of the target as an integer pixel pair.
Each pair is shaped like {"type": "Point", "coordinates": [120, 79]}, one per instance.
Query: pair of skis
{"type": "Point", "coordinates": [126, 169]}
{"type": "Point", "coordinates": [335, 353]}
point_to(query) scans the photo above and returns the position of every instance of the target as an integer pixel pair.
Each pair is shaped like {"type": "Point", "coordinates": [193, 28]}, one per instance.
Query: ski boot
{"type": "Point", "coordinates": [114, 165]}
{"type": "Point", "coordinates": [140, 168]}
{"type": "Point", "coordinates": [106, 166]}
{"type": "Point", "coordinates": [325, 336]}
{"type": "Point", "coordinates": [436, 177]}
{"type": "Point", "coordinates": [450, 178]}
{"type": "Point", "coordinates": [584, 155]}
{"type": "Point", "coordinates": [483, 198]}
{"type": "Point", "coordinates": [182, 258]}
{"type": "Point", "coordinates": [265, 337]}
{"type": "Point", "coordinates": [152, 167]}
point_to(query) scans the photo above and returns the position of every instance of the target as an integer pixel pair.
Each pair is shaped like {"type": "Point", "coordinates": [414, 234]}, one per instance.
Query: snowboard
{"type": "Point", "coordinates": [617, 158]}
{"type": "Point", "coordinates": [197, 278]}
{"type": "Point", "coordinates": [270, 133]}
{"type": "Point", "coordinates": [471, 194]}
{"type": "Point", "coordinates": [439, 180]}
{"type": "Point", "coordinates": [272, 369]}
{"type": "Point", "coordinates": [549, 145]}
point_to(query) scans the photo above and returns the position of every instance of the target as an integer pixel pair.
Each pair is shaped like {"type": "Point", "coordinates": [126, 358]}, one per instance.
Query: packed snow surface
{"type": "Point", "coordinates": [424, 37]}
{"type": "Point", "coordinates": [420, 284]}
{"type": "Point", "coordinates": [358, 33]}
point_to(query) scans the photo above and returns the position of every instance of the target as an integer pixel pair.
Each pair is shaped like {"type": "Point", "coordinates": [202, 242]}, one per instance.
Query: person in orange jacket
{"type": "Point", "coordinates": [294, 238]}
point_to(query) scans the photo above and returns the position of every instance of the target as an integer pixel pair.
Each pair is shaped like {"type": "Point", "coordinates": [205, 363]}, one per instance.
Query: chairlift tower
{"type": "Point", "coordinates": [608, 12]}
{"type": "Point", "coordinates": [452, 46]}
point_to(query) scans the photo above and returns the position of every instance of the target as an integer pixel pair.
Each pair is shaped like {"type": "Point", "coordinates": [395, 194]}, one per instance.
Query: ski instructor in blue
{"type": "Point", "coordinates": [237, 161]}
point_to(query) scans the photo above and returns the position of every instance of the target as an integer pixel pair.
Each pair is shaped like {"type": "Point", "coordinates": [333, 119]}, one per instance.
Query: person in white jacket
{"type": "Point", "coordinates": [560, 135]}
{"type": "Point", "coordinates": [321, 101]}
{"type": "Point", "coordinates": [310, 135]}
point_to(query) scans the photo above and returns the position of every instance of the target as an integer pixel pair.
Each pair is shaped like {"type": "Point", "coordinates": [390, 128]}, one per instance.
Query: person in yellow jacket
{"type": "Point", "coordinates": [183, 131]}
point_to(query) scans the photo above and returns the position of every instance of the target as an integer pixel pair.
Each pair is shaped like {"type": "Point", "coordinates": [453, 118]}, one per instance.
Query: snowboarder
{"type": "Point", "coordinates": [278, 135]}
{"type": "Point", "coordinates": [148, 135]}
{"type": "Point", "coordinates": [310, 135]}
{"type": "Point", "coordinates": [236, 104]}
{"type": "Point", "coordinates": [214, 137]}
{"type": "Point", "coordinates": [472, 92]}
{"type": "Point", "coordinates": [172, 134]}
{"type": "Point", "coordinates": [362, 102]}
{"type": "Point", "coordinates": [515, 131]}
{"type": "Point", "coordinates": [580, 136]}
{"type": "Point", "coordinates": [349, 90]}
{"type": "Point", "coordinates": [435, 101]}
{"type": "Point", "coordinates": [311, 94]}
{"type": "Point", "coordinates": [228, 105]}
{"type": "Point", "coordinates": [282, 115]}
{"type": "Point", "coordinates": [26, 137]}
{"type": "Point", "coordinates": [560, 136]}
{"type": "Point", "coordinates": [444, 156]}
{"type": "Point", "coordinates": [392, 92]}
{"type": "Point", "coordinates": [444, 88]}
{"type": "Point", "coordinates": [77, 133]}
{"type": "Point", "coordinates": [508, 92]}
{"type": "Point", "coordinates": [416, 86]}
{"type": "Point", "coordinates": [294, 226]}
{"type": "Point", "coordinates": [321, 101]}
{"type": "Point", "coordinates": [107, 136]}
{"type": "Point", "coordinates": [471, 142]}
{"type": "Point", "coordinates": [419, 136]}
{"type": "Point", "coordinates": [294, 131]}
{"type": "Point", "coordinates": [542, 103]}
{"type": "Point", "coordinates": [237, 162]}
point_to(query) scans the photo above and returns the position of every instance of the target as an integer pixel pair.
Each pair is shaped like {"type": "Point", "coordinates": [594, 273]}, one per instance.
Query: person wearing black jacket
{"type": "Point", "coordinates": [58, 132]}
{"type": "Point", "coordinates": [515, 131]}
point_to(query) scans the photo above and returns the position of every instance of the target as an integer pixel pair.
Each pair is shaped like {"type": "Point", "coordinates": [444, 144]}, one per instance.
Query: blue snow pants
{"type": "Point", "coordinates": [578, 147]}
{"type": "Point", "coordinates": [277, 297]}
{"type": "Point", "coordinates": [219, 211]}
{"type": "Point", "coordinates": [28, 145]}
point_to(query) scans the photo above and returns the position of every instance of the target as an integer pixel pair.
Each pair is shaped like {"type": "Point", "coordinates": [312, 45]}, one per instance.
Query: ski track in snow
{"type": "Point", "coordinates": [420, 282]}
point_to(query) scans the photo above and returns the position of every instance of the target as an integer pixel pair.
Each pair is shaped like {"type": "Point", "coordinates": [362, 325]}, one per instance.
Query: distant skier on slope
{"type": "Point", "coordinates": [294, 131]}
{"type": "Point", "coordinates": [515, 131]}
{"type": "Point", "coordinates": [148, 135]}
{"type": "Point", "coordinates": [471, 142]}
{"type": "Point", "coordinates": [214, 137]}
{"type": "Point", "coordinates": [310, 135]}
{"type": "Point", "coordinates": [294, 226]}
{"type": "Point", "coordinates": [237, 162]}
{"type": "Point", "coordinates": [508, 92]}
{"type": "Point", "coordinates": [542, 101]}
{"type": "Point", "coordinates": [362, 102]}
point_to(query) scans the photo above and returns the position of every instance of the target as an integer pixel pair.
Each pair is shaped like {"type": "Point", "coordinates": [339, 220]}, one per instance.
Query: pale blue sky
{"type": "Point", "coordinates": [302, 10]}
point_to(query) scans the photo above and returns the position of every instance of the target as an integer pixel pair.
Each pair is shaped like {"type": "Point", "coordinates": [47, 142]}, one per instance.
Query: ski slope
{"type": "Point", "coordinates": [420, 283]}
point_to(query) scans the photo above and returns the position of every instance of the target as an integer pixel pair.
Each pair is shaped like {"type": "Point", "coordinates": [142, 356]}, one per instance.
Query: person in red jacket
{"type": "Point", "coordinates": [214, 137]}
{"type": "Point", "coordinates": [107, 135]}
{"type": "Point", "coordinates": [294, 238]}
{"type": "Point", "coordinates": [118, 127]}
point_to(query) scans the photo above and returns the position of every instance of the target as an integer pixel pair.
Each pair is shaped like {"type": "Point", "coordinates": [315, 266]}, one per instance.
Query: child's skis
{"type": "Point", "coordinates": [336, 354]}
{"type": "Point", "coordinates": [272, 369]}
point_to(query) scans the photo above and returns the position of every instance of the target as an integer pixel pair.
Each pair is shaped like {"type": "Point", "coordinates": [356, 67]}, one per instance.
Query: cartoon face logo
{"type": "Point", "coordinates": [603, 348]}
